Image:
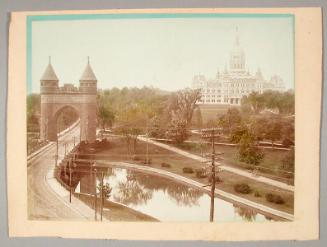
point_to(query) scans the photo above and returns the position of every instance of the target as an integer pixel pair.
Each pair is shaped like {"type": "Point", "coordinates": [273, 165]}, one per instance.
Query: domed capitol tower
{"type": "Point", "coordinates": [234, 82]}
{"type": "Point", "coordinates": [55, 99]}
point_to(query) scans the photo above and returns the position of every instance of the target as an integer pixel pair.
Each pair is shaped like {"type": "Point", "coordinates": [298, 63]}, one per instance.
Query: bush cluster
{"type": "Point", "coordinates": [201, 173]}
{"type": "Point", "coordinates": [257, 194]}
{"type": "Point", "coordinates": [188, 170]}
{"type": "Point", "coordinates": [242, 188]}
{"type": "Point", "coordinates": [270, 197]}
{"type": "Point", "coordinates": [167, 165]}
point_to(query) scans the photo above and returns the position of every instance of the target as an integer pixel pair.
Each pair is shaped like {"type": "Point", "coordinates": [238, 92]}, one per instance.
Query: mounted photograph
{"type": "Point", "coordinates": [159, 116]}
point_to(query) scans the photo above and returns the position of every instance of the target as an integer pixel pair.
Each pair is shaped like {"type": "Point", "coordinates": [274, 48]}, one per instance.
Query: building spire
{"type": "Point", "coordinates": [49, 73]}
{"type": "Point", "coordinates": [88, 74]}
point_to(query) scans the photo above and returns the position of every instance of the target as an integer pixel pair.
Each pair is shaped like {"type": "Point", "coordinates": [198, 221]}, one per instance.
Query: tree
{"type": "Point", "coordinates": [155, 129]}
{"type": "Point", "coordinates": [106, 116]}
{"type": "Point", "coordinates": [106, 191]}
{"type": "Point", "coordinates": [180, 110]}
{"type": "Point", "coordinates": [289, 160]}
{"type": "Point", "coordinates": [198, 118]}
{"type": "Point", "coordinates": [288, 134]}
{"type": "Point", "coordinates": [283, 101]}
{"type": "Point", "coordinates": [230, 120]}
{"type": "Point", "coordinates": [259, 126]}
{"type": "Point", "coordinates": [273, 130]}
{"type": "Point", "coordinates": [33, 103]}
{"type": "Point", "coordinates": [249, 151]}
{"type": "Point", "coordinates": [183, 103]}
{"type": "Point", "coordinates": [238, 132]}
{"type": "Point", "coordinates": [177, 131]}
{"type": "Point", "coordinates": [255, 101]}
{"type": "Point", "coordinates": [131, 134]}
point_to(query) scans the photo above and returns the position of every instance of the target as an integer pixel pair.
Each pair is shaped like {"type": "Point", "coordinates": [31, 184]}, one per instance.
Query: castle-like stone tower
{"type": "Point", "coordinates": [55, 99]}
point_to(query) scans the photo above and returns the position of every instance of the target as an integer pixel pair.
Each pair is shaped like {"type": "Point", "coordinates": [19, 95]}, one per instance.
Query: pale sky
{"type": "Point", "coordinates": [163, 53]}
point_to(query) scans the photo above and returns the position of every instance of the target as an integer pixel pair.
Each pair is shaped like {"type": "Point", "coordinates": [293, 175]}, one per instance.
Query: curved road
{"type": "Point", "coordinates": [43, 202]}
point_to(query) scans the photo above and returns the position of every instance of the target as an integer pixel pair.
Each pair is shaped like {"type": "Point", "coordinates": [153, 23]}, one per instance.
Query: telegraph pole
{"type": "Point", "coordinates": [70, 180]}
{"type": "Point", "coordinates": [213, 177]}
{"type": "Point", "coordinates": [95, 195]}
{"type": "Point", "coordinates": [102, 177]}
{"type": "Point", "coordinates": [211, 134]}
{"type": "Point", "coordinates": [57, 149]}
{"type": "Point", "coordinates": [147, 141]}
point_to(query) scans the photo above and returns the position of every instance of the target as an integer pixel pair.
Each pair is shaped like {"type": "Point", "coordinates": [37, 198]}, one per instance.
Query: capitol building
{"type": "Point", "coordinates": [234, 82]}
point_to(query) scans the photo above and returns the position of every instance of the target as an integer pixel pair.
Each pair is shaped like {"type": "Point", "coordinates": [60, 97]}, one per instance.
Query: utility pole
{"type": "Point", "coordinates": [213, 178]}
{"type": "Point", "coordinates": [102, 177]}
{"type": "Point", "coordinates": [95, 195]}
{"type": "Point", "coordinates": [211, 134]}
{"type": "Point", "coordinates": [147, 141]}
{"type": "Point", "coordinates": [57, 149]}
{"type": "Point", "coordinates": [70, 180]}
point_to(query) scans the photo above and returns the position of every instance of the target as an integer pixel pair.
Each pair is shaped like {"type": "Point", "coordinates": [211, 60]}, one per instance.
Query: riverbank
{"type": "Point", "coordinates": [159, 156]}
{"type": "Point", "coordinates": [114, 211]}
{"type": "Point", "coordinates": [236, 200]}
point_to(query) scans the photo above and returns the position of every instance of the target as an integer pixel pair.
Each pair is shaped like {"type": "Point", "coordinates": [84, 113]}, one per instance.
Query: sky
{"type": "Point", "coordinates": [163, 53]}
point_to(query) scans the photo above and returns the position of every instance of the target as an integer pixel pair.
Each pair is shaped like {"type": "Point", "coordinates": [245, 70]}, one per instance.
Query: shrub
{"type": "Point", "coordinates": [201, 173]}
{"type": "Point", "coordinates": [149, 161]}
{"type": "Point", "coordinates": [218, 179]}
{"type": "Point", "coordinates": [188, 170]}
{"type": "Point", "coordinates": [163, 164]}
{"type": "Point", "coordinates": [279, 199]}
{"type": "Point", "coordinates": [270, 197]}
{"type": "Point", "coordinates": [257, 194]}
{"type": "Point", "coordinates": [287, 142]}
{"type": "Point", "coordinates": [242, 188]}
{"type": "Point", "coordinates": [136, 158]}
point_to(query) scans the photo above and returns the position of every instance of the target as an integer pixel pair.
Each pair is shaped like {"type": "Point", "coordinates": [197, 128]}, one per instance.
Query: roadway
{"type": "Point", "coordinates": [43, 202]}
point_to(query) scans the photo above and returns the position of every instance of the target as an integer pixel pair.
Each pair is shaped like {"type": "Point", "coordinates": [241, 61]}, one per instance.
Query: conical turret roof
{"type": "Point", "coordinates": [88, 74]}
{"type": "Point", "coordinates": [49, 74]}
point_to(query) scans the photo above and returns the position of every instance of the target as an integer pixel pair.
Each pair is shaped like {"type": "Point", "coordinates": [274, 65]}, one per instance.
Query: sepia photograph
{"type": "Point", "coordinates": [162, 119]}
{"type": "Point", "coordinates": [165, 119]}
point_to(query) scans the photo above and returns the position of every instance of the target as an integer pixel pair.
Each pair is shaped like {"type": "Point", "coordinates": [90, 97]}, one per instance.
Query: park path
{"type": "Point", "coordinates": [182, 179]}
{"type": "Point", "coordinates": [234, 170]}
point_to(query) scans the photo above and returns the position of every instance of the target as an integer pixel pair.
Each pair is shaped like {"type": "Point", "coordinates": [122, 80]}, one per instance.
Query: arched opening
{"type": "Point", "coordinates": [65, 117]}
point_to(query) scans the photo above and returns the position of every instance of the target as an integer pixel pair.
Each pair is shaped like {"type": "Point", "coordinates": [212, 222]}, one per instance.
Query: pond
{"type": "Point", "coordinates": [163, 198]}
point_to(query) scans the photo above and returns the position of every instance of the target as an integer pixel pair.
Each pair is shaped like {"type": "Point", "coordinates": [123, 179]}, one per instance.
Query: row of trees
{"type": "Point", "coordinates": [255, 102]}
{"type": "Point", "coordinates": [266, 127]}
{"type": "Point", "coordinates": [257, 120]}
{"type": "Point", "coordinates": [147, 111]}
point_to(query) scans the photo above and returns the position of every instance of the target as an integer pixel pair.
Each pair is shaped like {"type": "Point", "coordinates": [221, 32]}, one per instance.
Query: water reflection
{"type": "Point", "coordinates": [248, 214]}
{"type": "Point", "coordinates": [164, 198]}
{"type": "Point", "coordinates": [131, 191]}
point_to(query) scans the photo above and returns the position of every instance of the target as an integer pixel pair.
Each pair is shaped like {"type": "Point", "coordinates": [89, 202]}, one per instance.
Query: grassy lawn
{"type": "Point", "coordinates": [269, 167]}
{"type": "Point", "coordinates": [209, 112]}
{"type": "Point", "coordinates": [157, 156]}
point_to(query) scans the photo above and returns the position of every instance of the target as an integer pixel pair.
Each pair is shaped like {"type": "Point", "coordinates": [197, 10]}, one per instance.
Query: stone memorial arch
{"type": "Point", "coordinates": [55, 99]}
